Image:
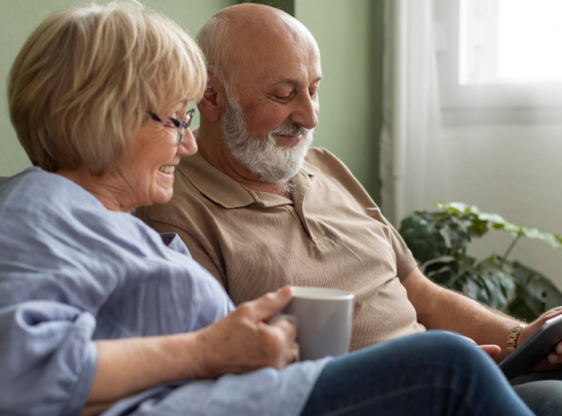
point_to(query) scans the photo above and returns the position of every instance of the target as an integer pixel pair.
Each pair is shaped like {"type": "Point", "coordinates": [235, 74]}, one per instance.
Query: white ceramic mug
{"type": "Point", "coordinates": [324, 318]}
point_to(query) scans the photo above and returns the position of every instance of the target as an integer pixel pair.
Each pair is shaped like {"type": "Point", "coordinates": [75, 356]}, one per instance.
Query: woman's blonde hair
{"type": "Point", "coordinates": [80, 87]}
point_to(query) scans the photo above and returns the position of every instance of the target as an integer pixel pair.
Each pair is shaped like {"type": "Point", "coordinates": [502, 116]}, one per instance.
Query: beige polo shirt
{"type": "Point", "coordinates": [332, 235]}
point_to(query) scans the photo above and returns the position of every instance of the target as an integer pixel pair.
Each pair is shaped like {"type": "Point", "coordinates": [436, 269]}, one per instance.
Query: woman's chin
{"type": "Point", "coordinates": [162, 197]}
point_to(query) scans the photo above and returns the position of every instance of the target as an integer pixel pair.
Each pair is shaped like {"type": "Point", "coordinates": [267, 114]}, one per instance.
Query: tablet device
{"type": "Point", "coordinates": [534, 349]}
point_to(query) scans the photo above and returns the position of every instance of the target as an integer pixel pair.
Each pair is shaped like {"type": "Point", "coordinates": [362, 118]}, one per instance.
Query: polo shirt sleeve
{"type": "Point", "coordinates": [405, 261]}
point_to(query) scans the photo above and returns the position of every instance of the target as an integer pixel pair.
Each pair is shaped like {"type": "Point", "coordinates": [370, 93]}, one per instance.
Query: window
{"type": "Point", "coordinates": [503, 57]}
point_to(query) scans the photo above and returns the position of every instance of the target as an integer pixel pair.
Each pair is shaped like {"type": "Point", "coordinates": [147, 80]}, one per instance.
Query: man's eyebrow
{"type": "Point", "coordinates": [294, 81]}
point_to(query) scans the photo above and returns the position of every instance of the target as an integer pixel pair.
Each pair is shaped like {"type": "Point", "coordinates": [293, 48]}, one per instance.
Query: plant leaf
{"type": "Point", "coordinates": [483, 221]}
{"type": "Point", "coordinates": [439, 242]}
{"type": "Point", "coordinates": [432, 235]}
{"type": "Point", "coordinates": [499, 284]}
{"type": "Point", "coordinates": [554, 240]}
{"type": "Point", "coordinates": [422, 237]}
{"type": "Point", "coordinates": [540, 293]}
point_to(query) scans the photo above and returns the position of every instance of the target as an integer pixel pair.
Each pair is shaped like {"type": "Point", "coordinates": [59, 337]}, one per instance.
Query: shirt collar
{"type": "Point", "coordinates": [225, 191]}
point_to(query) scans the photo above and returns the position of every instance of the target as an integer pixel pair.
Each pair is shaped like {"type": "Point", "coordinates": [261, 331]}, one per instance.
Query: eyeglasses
{"type": "Point", "coordinates": [180, 125]}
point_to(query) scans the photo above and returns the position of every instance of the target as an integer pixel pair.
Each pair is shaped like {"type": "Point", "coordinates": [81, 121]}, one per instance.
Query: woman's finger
{"type": "Point", "coordinates": [287, 326]}
{"type": "Point", "coordinates": [271, 303]}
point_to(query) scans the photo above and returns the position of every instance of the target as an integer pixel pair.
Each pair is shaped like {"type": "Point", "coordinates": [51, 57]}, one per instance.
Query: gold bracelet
{"type": "Point", "coordinates": [512, 337]}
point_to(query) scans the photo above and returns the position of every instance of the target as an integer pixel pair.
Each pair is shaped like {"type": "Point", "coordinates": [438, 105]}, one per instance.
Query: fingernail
{"type": "Point", "coordinates": [559, 348]}
{"type": "Point", "coordinates": [284, 291]}
{"type": "Point", "coordinates": [552, 358]}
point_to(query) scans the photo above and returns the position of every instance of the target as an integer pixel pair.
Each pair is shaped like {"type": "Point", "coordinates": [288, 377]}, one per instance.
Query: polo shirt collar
{"type": "Point", "coordinates": [308, 169]}
{"type": "Point", "coordinates": [225, 191]}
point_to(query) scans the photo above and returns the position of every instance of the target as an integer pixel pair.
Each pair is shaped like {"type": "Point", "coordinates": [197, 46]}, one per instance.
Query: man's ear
{"type": "Point", "coordinates": [209, 105]}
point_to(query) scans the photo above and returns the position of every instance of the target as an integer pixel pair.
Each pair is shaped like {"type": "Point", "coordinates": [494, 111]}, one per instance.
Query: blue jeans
{"type": "Point", "coordinates": [431, 374]}
{"type": "Point", "coordinates": [541, 391]}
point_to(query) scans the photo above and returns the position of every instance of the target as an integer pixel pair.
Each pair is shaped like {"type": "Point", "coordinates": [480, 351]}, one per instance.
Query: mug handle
{"type": "Point", "coordinates": [278, 316]}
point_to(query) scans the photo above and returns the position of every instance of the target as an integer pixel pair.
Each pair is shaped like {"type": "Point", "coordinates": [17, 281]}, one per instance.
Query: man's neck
{"type": "Point", "coordinates": [214, 150]}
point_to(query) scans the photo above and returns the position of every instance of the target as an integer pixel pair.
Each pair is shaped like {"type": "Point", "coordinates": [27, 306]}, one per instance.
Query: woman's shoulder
{"type": "Point", "coordinates": [41, 211]}
{"type": "Point", "coordinates": [35, 189]}
{"type": "Point", "coordinates": [41, 207]}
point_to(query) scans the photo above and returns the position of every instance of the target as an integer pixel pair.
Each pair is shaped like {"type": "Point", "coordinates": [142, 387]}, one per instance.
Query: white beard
{"type": "Point", "coordinates": [271, 163]}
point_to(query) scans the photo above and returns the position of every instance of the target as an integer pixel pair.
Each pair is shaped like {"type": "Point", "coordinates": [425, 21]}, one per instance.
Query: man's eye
{"type": "Point", "coordinates": [282, 97]}
{"type": "Point", "coordinates": [313, 94]}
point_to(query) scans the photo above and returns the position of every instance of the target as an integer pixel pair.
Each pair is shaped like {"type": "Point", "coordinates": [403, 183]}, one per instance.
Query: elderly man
{"type": "Point", "coordinates": [259, 208]}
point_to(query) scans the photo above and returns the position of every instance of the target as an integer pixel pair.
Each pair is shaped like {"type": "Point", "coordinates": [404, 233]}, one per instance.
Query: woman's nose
{"type": "Point", "coordinates": [188, 144]}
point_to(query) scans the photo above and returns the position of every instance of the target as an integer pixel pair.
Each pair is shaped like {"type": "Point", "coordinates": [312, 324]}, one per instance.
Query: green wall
{"type": "Point", "coordinates": [19, 18]}
{"type": "Point", "coordinates": [349, 33]}
{"type": "Point", "coordinates": [350, 36]}
{"type": "Point", "coordinates": [287, 6]}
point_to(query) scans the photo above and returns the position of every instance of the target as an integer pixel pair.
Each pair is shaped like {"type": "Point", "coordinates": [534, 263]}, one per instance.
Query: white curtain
{"type": "Point", "coordinates": [410, 161]}
{"type": "Point", "coordinates": [508, 165]}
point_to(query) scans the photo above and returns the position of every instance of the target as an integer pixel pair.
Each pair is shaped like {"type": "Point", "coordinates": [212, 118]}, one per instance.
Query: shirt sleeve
{"type": "Point", "coordinates": [405, 261]}
{"type": "Point", "coordinates": [47, 358]}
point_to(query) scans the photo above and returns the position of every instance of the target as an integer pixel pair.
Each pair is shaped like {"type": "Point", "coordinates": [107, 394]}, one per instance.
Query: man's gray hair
{"type": "Point", "coordinates": [213, 41]}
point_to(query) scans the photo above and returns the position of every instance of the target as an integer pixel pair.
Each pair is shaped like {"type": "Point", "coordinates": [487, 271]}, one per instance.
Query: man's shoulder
{"type": "Point", "coordinates": [320, 156]}
{"type": "Point", "coordinates": [321, 159]}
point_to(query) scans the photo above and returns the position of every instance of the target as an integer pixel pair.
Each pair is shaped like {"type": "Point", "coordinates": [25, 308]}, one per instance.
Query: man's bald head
{"type": "Point", "coordinates": [261, 103]}
{"type": "Point", "coordinates": [244, 35]}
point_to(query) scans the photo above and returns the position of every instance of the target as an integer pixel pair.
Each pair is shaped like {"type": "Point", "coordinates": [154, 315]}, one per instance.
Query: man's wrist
{"type": "Point", "coordinates": [513, 337]}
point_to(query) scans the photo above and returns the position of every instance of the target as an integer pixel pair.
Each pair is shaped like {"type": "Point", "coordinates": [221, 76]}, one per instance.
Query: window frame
{"type": "Point", "coordinates": [500, 101]}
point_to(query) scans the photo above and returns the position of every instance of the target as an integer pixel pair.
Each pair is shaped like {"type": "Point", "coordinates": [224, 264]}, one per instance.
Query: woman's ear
{"type": "Point", "coordinates": [209, 106]}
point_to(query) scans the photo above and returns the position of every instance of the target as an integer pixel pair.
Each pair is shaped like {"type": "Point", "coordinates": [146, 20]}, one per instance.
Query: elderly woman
{"type": "Point", "coordinates": [99, 313]}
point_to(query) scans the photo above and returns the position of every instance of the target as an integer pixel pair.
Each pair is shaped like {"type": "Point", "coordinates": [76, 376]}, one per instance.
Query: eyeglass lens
{"type": "Point", "coordinates": [180, 125]}
{"type": "Point", "coordinates": [185, 124]}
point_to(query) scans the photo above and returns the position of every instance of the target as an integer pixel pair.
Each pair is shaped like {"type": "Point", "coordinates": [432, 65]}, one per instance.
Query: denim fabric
{"type": "Point", "coordinates": [431, 374]}
{"type": "Point", "coordinates": [541, 391]}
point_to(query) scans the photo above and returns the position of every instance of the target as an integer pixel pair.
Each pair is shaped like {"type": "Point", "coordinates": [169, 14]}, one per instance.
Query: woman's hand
{"type": "Point", "coordinates": [243, 341]}
{"type": "Point", "coordinates": [238, 343]}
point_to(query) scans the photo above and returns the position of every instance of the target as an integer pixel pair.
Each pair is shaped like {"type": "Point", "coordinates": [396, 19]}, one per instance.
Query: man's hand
{"type": "Point", "coordinates": [492, 350]}
{"type": "Point", "coordinates": [243, 341]}
{"type": "Point", "coordinates": [553, 360]}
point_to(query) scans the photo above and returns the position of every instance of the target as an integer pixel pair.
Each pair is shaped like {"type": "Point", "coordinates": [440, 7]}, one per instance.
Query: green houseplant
{"type": "Point", "coordinates": [439, 242]}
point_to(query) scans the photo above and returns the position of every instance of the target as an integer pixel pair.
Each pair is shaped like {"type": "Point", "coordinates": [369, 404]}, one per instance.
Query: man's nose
{"type": "Point", "coordinates": [306, 111]}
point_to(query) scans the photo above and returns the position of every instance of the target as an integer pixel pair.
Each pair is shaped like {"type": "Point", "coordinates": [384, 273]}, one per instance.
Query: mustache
{"type": "Point", "coordinates": [290, 129]}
